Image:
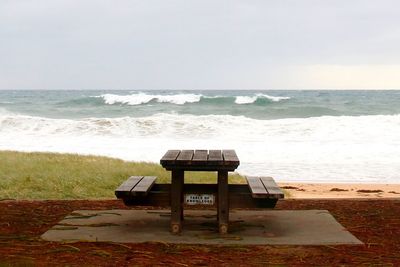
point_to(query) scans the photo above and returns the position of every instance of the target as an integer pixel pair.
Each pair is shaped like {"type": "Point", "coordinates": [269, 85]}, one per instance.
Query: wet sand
{"type": "Point", "coordinates": [332, 190]}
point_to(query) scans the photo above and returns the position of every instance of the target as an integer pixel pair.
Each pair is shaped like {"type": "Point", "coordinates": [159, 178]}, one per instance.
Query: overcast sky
{"type": "Point", "coordinates": [161, 44]}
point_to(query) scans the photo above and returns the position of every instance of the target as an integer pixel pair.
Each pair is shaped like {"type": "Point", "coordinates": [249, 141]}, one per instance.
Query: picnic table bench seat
{"type": "Point", "coordinates": [264, 187]}
{"type": "Point", "coordinates": [135, 186]}
{"type": "Point", "coordinates": [259, 192]}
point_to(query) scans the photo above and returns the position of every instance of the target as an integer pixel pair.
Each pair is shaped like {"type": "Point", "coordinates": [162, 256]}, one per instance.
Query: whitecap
{"type": "Point", "coordinates": [273, 98]}
{"type": "Point", "coordinates": [251, 99]}
{"type": "Point", "coordinates": [143, 98]}
{"type": "Point", "coordinates": [245, 99]}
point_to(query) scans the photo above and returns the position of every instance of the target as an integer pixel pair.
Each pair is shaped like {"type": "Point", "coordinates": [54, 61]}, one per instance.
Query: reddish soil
{"type": "Point", "coordinates": [375, 222]}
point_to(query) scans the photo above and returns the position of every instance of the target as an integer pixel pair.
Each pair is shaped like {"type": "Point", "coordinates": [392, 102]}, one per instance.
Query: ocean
{"type": "Point", "coordinates": [291, 135]}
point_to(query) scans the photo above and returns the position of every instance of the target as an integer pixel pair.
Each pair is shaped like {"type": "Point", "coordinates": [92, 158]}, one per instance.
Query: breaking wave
{"type": "Point", "coordinates": [181, 99]}
{"type": "Point", "coordinates": [252, 99]}
{"type": "Point", "coordinates": [327, 148]}
{"type": "Point", "coordinates": [142, 98]}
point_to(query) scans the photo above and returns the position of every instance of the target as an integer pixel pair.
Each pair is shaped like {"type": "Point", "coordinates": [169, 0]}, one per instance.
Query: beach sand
{"type": "Point", "coordinates": [332, 190]}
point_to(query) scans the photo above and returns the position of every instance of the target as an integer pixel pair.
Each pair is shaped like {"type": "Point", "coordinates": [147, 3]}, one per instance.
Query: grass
{"type": "Point", "coordinates": [69, 176]}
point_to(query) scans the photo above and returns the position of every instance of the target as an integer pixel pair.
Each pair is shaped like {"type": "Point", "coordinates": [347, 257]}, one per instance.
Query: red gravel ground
{"type": "Point", "coordinates": [375, 222]}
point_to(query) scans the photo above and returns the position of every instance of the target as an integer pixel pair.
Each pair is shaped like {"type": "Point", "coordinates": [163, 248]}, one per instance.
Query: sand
{"type": "Point", "coordinates": [332, 190]}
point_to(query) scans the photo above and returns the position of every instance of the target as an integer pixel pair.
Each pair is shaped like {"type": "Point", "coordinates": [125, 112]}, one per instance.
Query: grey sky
{"type": "Point", "coordinates": [199, 44]}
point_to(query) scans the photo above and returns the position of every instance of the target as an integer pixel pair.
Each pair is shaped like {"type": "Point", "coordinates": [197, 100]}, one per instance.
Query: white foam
{"type": "Point", "coordinates": [245, 99]}
{"type": "Point", "coordinates": [178, 99]}
{"type": "Point", "coordinates": [319, 149]}
{"type": "Point", "coordinates": [251, 99]}
{"type": "Point", "coordinates": [274, 98]}
{"type": "Point", "coordinates": [142, 98]}
{"type": "Point", "coordinates": [4, 111]}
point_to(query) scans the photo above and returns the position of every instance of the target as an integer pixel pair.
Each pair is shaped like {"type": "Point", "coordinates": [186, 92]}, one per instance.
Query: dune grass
{"type": "Point", "coordinates": [69, 176]}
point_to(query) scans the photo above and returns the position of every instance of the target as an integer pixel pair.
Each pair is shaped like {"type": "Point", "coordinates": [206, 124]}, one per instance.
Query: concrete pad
{"type": "Point", "coordinates": [275, 227]}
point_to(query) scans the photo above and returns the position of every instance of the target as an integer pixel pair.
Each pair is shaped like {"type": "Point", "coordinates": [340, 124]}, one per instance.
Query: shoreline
{"type": "Point", "coordinates": [72, 176]}
{"type": "Point", "coordinates": [340, 190]}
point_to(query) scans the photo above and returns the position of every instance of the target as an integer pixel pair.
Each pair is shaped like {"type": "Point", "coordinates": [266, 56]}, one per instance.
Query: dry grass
{"type": "Point", "coordinates": [69, 176]}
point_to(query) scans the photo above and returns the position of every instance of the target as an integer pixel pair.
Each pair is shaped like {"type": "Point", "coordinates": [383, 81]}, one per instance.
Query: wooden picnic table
{"type": "Point", "coordinates": [259, 192]}
{"type": "Point", "coordinates": [179, 161]}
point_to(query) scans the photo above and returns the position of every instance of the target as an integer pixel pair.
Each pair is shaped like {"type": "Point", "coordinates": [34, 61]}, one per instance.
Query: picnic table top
{"type": "Point", "coordinates": [200, 160]}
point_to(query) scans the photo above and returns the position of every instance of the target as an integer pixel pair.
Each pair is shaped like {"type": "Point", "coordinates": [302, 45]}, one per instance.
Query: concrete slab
{"type": "Point", "coordinates": [275, 227]}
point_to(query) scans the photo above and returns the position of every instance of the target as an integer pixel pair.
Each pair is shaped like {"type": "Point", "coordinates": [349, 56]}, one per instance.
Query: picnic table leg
{"type": "Point", "coordinates": [223, 202]}
{"type": "Point", "coordinates": [182, 198]}
{"type": "Point", "coordinates": [176, 201]}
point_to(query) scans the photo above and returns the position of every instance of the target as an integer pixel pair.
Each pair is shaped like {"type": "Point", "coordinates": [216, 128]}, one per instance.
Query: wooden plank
{"type": "Point", "coordinates": [215, 157]}
{"type": "Point", "coordinates": [126, 187]}
{"type": "Point", "coordinates": [239, 196]}
{"type": "Point", "coordinates": [230, 157]}
{"type": "Point", "coordinates": [185, 157]}
{"type": "Point", "coordinates": [272, 188]}
{"type": "Point", "coordinates": [180, 160]}
{"type": "Point", "coordinates": [256, 186]}
{"type": "Point", "coordinates": [144, 186]}
{"type": "Point", "coordinates": [200, 157]}
{"type": "Point", "coordinates": [176, 201]}
{"type": "Point", "coordinates": [211, 167]}
{"type": "Point", "coordinates": [169, 157]}
{"type": "Point", "coordinates": [223, 202]}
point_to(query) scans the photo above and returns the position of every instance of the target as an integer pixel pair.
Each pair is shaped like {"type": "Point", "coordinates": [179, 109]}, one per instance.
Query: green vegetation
{"type": "Point", "coordinates": [70, 176]}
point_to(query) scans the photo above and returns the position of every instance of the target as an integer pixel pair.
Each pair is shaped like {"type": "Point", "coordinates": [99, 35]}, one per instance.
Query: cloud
{"type": "Point", "coordinates": [193, 44]}
{"type": "Point", "coordinates": [350, 76]}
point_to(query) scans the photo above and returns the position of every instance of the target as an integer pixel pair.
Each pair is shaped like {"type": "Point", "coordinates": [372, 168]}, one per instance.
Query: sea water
{"type": "Point", "coordinates": [305, 136]}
